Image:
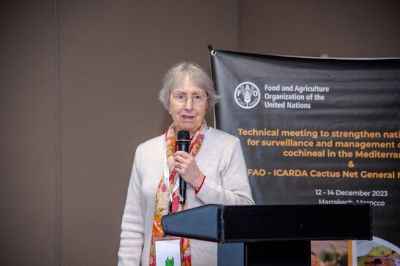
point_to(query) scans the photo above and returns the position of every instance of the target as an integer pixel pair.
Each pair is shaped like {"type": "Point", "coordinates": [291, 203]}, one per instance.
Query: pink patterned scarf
{"type": "Point", "coordinates": [163, 194]}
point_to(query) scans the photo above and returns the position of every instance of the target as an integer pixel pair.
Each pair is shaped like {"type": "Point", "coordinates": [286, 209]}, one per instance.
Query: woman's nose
{"type": "Point", "coordinates": [189, 103]}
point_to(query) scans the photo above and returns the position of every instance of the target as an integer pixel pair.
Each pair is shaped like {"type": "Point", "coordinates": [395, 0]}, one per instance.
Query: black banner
{"type": "Point", "coordinates": [318, 131]}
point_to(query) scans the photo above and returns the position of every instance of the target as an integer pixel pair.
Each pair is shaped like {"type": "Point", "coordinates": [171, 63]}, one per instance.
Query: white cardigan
{"type": "Point", "coordinates": [220, 159]}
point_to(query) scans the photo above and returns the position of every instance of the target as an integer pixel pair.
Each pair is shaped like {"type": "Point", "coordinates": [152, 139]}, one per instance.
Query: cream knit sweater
{"type": "Point", "coordinates": [221, 160]}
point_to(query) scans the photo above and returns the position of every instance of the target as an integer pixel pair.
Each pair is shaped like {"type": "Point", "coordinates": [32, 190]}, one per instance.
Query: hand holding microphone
{"type": "Point", "coordinates": [185, 165]}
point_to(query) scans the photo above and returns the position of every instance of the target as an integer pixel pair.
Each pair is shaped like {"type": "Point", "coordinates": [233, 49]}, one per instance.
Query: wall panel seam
{"type": "Point", "coordinates": [58, 134]}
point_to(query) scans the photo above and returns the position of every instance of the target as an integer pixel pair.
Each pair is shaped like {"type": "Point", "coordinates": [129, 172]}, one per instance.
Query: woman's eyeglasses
{"type": "Point", "coordinates": [196, 98]}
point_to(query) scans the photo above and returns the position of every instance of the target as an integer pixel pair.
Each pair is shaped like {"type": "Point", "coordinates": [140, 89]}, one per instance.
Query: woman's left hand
{"type": "Point", "coordinates": [186, 167]}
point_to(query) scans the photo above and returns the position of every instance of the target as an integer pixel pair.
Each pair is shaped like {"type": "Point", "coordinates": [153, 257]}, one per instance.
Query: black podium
{"type": "Point", "coordinates": [270, 235]}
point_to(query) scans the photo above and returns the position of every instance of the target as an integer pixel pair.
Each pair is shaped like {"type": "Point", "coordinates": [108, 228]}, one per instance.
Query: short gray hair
{"type": "Point", "coordinates": [196, 74]}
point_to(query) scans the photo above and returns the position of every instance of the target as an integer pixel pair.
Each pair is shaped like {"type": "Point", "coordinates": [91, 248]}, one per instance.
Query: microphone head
{"type": "Point", "coordinates": [183, 135]}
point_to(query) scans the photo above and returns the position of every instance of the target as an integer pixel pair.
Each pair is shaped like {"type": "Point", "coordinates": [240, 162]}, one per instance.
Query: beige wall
{"type": "Point", "coordinates": [338, 28]}
{"type": "Point", "coordinates": [29, 215]}
{"type": "Point", "coordinates": [78, 92]}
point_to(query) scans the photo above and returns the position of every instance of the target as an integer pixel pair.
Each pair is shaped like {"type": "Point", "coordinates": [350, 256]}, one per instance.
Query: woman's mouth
{"type": "Point", "coordinates": [188, 117]}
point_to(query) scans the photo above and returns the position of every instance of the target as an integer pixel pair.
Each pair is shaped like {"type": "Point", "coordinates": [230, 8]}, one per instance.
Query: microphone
{"type": "Point", "coordinates": [183, 143]}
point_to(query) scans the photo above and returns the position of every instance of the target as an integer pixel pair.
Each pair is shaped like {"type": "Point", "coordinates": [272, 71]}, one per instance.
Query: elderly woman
{"type": "Point", "coordinates": [214, 170]}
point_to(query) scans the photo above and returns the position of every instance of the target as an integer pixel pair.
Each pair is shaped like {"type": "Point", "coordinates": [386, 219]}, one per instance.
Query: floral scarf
{"type": "Point", "coordinates": [164, 192]}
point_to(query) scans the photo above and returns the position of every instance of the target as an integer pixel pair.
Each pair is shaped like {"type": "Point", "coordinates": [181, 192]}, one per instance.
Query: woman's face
{"type": "Point", "coordinates": [188, 106]}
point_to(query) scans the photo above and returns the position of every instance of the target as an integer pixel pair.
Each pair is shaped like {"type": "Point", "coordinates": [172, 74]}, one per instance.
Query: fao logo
{"type": "Point", "coordinates": [247, 95]}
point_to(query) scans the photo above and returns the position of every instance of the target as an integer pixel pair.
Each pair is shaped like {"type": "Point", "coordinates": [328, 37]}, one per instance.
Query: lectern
{"type": "Point", "coordinates": [270, 235]}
